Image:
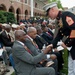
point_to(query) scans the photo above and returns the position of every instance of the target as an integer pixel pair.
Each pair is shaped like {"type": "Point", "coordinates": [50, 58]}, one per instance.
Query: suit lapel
{"type": "Point", "coordinates": [25, 47]}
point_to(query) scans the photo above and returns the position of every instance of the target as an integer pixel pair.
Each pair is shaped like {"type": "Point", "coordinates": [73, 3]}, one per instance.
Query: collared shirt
{"type": "Point", "coordinates": [29, 37]}
{"type": "Point", "coordinates": [7, 32]}
{"type": "Point", "coordinates": [24, 46]}
{"type": "Point", "coordinates": [48, 55]}
{"type": "Point", "coordinates": [20, 42]}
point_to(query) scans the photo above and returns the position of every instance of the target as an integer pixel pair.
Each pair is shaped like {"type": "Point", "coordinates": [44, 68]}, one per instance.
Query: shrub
{"type": "Point", "coordinates": [7, 17]}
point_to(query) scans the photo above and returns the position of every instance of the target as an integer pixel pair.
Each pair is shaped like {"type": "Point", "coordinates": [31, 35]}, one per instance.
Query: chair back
{"type": "Point", "coordinates": [12, 61]}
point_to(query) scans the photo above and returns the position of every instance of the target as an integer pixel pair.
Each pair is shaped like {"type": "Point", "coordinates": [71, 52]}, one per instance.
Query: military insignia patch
{"type": "Point", "coordinates": [72, 34]}
{"type": "Point", "coordinates": [60, 23]}
{"type": "Point", "coordinates": [69, 20]}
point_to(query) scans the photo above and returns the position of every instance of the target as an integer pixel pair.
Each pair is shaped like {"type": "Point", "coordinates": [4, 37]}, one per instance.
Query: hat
{"type": "Point", "coordinates": [4, 24]}
{"type": "Point", "coordinates": [14, 26]}
{"type": "Point", "coordinates": [7, 26]}
{"type": "Point", "coordinates": [22, 24]}
{"type": "Point", "coordinates": [50, 5]}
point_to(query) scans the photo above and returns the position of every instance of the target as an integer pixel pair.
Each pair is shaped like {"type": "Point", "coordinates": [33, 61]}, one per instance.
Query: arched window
{"type": "Point", "coordinates": [35, 5]}
{"type": "Point", "coordinates": [3, 7]}
{"type": "Point", "coordinates": [25, 1]}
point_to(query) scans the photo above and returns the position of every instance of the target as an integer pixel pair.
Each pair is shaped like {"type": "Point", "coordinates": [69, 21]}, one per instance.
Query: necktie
{"type": "Point", "coordinates": [8, 36]}
{"type": "Point", "coordinates": [49, 34]}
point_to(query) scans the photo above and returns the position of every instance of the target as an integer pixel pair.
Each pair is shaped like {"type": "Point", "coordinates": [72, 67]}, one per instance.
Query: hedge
{"type": "Point", "coordinates": [7, 17]}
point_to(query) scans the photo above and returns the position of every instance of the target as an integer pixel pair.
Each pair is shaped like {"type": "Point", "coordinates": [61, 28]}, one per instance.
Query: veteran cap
{"type": "Point", "coordinates": [50, 5]}
{"type": "Point", "coordinates": [4, 24]}
{"type": "Point", "coordinates": [14, 26]}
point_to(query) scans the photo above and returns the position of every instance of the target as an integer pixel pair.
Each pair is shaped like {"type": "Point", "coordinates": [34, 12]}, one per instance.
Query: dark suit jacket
{"type": "Point", "coordinates": [40, 41]}
{"type": "Point", "coordinates": [25, 63]}
{"type": "Point", "coordinates": [5, 40]}
{"type": "Point", "coordinates": [47, 37]}
{"type": "Point", "coordinates": [49, 31]}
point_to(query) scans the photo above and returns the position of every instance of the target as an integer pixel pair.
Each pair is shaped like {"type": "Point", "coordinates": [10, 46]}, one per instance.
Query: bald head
{"type": "Point", "coordinates": [20, 35]}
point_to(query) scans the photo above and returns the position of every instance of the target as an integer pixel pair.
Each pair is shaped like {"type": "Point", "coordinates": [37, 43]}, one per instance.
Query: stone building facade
{"type": "Point", "coordinates": [22, 8]}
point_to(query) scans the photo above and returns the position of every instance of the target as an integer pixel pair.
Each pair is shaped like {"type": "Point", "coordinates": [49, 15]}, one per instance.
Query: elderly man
{"type": "Point", "coordinates": [31, 34]}
{"type": "Point", "coordinates": [31, 44]}
{"type": "Point", "coordinates": [5, 36]}
{"type": "Point", "coordinates": [25, 63]}
{"type": "Point", "coordinates": [6, 39]}
{"type": "Point", "coordinates": [66, 22]}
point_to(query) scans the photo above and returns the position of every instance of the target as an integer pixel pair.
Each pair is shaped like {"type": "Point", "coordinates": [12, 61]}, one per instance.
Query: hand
{"type": "Point", "coordinates": [52, 56]}
{"type": "Point", "coordinates": [42, 61]}
{"type": "Point", "coordinates": [55, 50]}
{"type": "Point", "coordinates": [48, 49]}
{"type": "Point", "coordinates": [4, 48]}
{"type": "Point", "coordinates": [63, 45]}
{"type": "Point", "coordinates": [50, 45]}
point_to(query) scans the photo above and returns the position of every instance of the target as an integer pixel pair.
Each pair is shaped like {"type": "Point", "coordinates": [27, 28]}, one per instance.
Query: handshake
{"type": "Point", "coordinates": [48, 49]}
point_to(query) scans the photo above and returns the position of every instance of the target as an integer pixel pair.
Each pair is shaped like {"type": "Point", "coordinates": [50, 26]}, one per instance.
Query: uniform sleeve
{"type": "Point", "coordinates": [69, 42]}
{"type": "Point", "coordinates": [58, 37]}
{"type": "Point", "coordinates": [70, 20]}
{"type": "Point", "coordinates": [71, 24]}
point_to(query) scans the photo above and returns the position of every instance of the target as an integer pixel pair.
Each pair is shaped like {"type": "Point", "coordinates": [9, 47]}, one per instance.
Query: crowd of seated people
{"type": "Point", "coordinates": [37, 39]}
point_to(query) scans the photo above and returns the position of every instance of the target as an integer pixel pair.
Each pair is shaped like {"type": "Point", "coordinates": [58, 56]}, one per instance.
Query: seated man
{"type": "Point", "coordinates": [39, 39]}
{"type": "Point", "coordinates": [25, 63]}
{"type": "Point", "coordinates": [46, 35]}
{"type": "Point", "coordinates": [29, 42]}
{"type": "Point", "coordinates": [6, 39]}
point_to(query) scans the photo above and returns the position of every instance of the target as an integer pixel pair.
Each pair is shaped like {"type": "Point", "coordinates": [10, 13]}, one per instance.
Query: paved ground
{"type": "Point", "coordinates": [11, 70]}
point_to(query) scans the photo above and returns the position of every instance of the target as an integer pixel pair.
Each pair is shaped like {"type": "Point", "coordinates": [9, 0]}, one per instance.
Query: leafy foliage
{"type": "Point", "coordinates": [7, 17]}
{"type": "Point", "coordinates": [58, 3]}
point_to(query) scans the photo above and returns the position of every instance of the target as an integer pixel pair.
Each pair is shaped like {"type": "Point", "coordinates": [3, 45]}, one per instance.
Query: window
{"type": "Point", "coordinates": [25, 1]}
{"type": "Point", "coordinates": [35, 5]}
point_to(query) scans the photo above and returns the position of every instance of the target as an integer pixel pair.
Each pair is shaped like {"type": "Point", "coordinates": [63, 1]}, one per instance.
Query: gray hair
{"type": "Point", "coordinates": [7, 26]}
{"type": "Point", "coordinates": [31, 29]}
{"type": "Point", "coordinates": [18, 33]}
{"type": "Point", "coordinates": [38, 28]}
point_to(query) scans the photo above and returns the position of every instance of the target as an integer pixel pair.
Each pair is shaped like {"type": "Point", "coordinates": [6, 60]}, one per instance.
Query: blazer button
{"type": "Point", "coordinates": [62, 34]}
{"type": "Point", "coordinates": [68, 42]}
{"type": "Point", "coordinates": [70, 39]}
{"type": "Point", "coordinates": [60, 31]}
{"type": "Point", "coordinates": [67, 36]}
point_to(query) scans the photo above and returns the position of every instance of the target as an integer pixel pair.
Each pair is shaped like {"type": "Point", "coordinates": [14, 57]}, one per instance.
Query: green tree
{"type": "Point", "coordinates": [58, 3]}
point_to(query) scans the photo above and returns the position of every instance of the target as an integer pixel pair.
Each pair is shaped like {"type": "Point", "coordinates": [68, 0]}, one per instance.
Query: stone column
{"type": "Point", "coordinates": [31, 8]}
